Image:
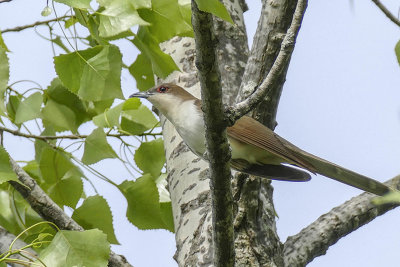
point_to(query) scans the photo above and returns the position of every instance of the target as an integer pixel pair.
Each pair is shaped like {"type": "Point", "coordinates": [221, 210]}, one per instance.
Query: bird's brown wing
{"type": "Point", "coordinates": [250, 131]}
{"type": "Point", "coordinates": [264, 138]}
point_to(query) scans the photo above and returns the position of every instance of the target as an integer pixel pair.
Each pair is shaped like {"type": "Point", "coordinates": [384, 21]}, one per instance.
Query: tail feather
{"type": "Point", "coordinates": [274, 172]}
{"type": "Point", "coordinates": [344, 175]}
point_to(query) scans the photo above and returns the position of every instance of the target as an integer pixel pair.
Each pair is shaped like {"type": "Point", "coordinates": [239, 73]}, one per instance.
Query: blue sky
{"type": "Point", "coordinates": [340, 102]}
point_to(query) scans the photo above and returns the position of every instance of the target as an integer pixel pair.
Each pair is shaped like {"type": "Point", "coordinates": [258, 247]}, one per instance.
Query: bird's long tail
{"type": "Point", "coordinates": [344, 175]}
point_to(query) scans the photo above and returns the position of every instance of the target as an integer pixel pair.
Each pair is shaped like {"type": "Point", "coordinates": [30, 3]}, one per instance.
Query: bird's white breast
{"type": "Point", "coordinates": [190, 127]}
{"type": "Point", "coordinates": [188, 122]}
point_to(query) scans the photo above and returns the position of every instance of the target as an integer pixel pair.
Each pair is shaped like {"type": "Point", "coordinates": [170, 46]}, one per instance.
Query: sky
{"type": "Point", "coordinates": [341, 101]}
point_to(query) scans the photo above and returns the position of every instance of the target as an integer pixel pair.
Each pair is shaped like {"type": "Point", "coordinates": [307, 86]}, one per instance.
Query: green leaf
{"type": "Point", "coordinates": [118, 16]}
{"type": "Point", "coordinates": [142, 72]}
{"type": "Point", "coordinates": [54, 165]}
{"type": "Point", "coordinates": [214, 7]}
{"type": "Point", "coordinates": [32, 168]}
{"type": "Point", "coordinates": [6, 171]}
{"type": "Point", "coordinates": [144, 209]}
{"type": "Point", "coordinates": [161, 63]}
{"type": "Point", "coordinates": [16, 214]}
{"type": "Point", "coordinates": [98, 107]}
{"type": "Point", "coordinates": [60, 94]}
{"type": "Point", "coordinates": [131, 104]}
{"type": "Point", "coordinates": [185, 7]}
{"type": "Point", "coordinates": [137, 121]}
{"type": "Point", "coordinates": [166, 20]}
{"type": "Point", "coordinates": [109, 118]}
{"type": "Point", "coordinates": [68, 190]}
{"type": "Point", "coordinates": [61, 117]}
{"type": "Point", "coordinates": [4, 74]}
{"type": "Point", "coordinates": [71, 248]}
{"type": "Point", "coordinates": [12, 106]}
{"type": "Point", "coordinates": [142, 4]}
{"type": "Point", "coordinates": [3, 45]}
{"type": "Point", "coordinates": [166, 215]}
{"type": "Point", "coordinates": [60, 174]}
{"type": "Point", "coordinates": [68, 23]}
{"type": "Point", "coordinates": [95, 213]}
{"type": "Point", "coordinates": [93, 74]}
{"type": "Point", "coordinates": [97, 148]}
{"type": "Point", "coordinates": [91, 22]}
{"type": "Point", "coordinates": [81, 4]}
{"type": "Point", "coordinates": [29, 108]}
{"type": "Point", "coordinates": [397, 51]}
{"type": "Point", "coordinates": [136, 118]}
{"type": "Point", "coordinates": [60, 43]}
{"type": "Point", "coordinates": [150, 157]}
{"type": "Point", "coordinates": [7, 216]}
{"type": "Point", "coordinates": [40, 145]}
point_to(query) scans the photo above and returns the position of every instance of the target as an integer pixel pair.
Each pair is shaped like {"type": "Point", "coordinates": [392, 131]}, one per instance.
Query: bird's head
{"type": "Point", "coordinates": [165, 96]}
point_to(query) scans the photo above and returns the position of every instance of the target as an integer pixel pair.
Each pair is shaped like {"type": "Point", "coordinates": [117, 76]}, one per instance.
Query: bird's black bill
{"type": "Point", "coordinates": [141, 95]}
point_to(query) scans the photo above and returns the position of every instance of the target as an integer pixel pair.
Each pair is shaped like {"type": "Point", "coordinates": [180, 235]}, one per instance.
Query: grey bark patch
{"type": "Point", "coordinates": [196, 160]}
{"type": "Point", "coordinates": [193, 170]}
{"type": "Point", "coordinates": [178, 150]}
{"type": "Point", "coordinates": [203, 200]}
{"type": "Point", "coordinates": [189, 188]}
{"type": "Point", "coordinates": [204, 174]}
{"type": "Point", "coordinates": [197, 246]}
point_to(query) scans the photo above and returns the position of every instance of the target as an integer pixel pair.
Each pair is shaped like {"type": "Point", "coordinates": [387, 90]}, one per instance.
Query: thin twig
{"type": "Point", "coordinates": [70, 136]}
{"type": "Point", "coordinates": [387, 12]}
{"type": "Point", "coordinates": [280, 63]}
{"type": "Point", "coordinates": [37, 23]}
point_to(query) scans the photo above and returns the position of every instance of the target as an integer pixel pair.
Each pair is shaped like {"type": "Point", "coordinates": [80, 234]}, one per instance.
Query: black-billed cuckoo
{"type": "Point", "coordinates": [256, 149]}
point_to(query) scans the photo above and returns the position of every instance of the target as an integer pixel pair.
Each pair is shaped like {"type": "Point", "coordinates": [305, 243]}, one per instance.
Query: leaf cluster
{"type": "Point", "coordinates": [86, 96]}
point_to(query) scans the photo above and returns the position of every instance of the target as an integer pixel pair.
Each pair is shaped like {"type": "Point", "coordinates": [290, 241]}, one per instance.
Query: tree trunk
{"type": "Point", "coordinates": [256, 239]}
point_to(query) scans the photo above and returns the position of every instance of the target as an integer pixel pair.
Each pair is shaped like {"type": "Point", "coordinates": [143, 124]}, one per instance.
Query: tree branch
{"type": "Point", "coordinates": [256, 212]}
{"type": "Point", "coordinates": [315, 239]}
{"type": "Point", "coordinates": [279, 65]}
{"type": "Point", "coordinates": [37, 23]}
{"type": "Point", "coordinates": [274, 22]}
{"type": "Point", "coordinates": [216, 141]}
{"type": "Point", "coordinates": [6, 239]}
{"type": "Point", "coordinates": [71, 136]}
{"type": "Point", "coordinates": [387, 12]}
{"type": "Point", "coordinates": [50, 211]}
{"type": "Point", "coordinates": [232, 53]}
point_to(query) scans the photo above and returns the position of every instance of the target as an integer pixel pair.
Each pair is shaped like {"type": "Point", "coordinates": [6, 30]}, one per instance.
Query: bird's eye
{"type": "Point", "coordinates": [162, 89]}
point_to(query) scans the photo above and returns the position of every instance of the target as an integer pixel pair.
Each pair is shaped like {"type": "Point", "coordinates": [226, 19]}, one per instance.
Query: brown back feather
{"type": "Point", "coordinates": [263, 137]}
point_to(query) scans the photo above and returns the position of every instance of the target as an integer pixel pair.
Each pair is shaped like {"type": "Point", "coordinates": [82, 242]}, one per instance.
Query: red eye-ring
{"type": "Point", "coordinates": [162, 89]}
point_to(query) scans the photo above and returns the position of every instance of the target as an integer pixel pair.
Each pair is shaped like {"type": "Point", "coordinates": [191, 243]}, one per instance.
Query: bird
{"type": "Point", "coordinates": [255, 149]}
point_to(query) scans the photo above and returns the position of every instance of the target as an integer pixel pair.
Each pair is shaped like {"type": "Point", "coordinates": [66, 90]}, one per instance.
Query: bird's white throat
{"type": "Point", "coordinates": [186, 118]}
